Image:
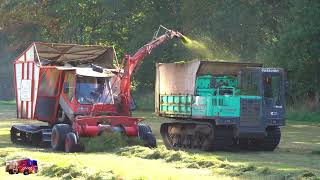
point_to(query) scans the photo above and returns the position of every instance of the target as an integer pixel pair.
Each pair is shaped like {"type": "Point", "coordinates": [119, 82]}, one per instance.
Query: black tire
{"type": "Point", "coordinates": [58, 136]}
{"type": "Point", "coordinates": [272, 140]}
{"type": "Point", "coordinates": [26, 172]}
{"type": "Point", "coordinates": [13, 134]}
{"type": "Point", "coordinates": [145, 134]}
{"type": "Point", "coordinates": [80, 147]}
{"type": "Point", "coordinates": [10, 172]}
{"type": "Point", "coordinates": [71, 143]}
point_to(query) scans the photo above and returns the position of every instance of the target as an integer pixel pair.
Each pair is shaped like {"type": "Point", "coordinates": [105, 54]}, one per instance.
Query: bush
{"type": "Point", "coordinates": [144, 100]}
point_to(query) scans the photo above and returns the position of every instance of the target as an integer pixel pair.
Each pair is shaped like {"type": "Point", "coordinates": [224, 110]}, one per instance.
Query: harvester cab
{"type": "Point", "coordinates": [86, 92]}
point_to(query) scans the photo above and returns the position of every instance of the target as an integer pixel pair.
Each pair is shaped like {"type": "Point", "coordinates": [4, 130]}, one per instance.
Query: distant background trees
{"type": "Point", "coordinates": [276, 32]}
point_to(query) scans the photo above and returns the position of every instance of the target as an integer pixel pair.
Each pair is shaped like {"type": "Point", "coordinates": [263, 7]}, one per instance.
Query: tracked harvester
{"type": "Point", "coordinates": [220, 105]}
{"type": "Point", "coordinates": [79, 92]}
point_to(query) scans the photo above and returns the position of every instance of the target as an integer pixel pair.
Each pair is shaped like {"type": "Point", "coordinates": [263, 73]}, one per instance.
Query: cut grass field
{"type": "Point", "coordinates": [298, 157]}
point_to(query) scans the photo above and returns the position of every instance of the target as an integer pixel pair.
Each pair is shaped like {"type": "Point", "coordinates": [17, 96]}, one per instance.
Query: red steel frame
{"type": "Point", "coordinates": [15, 88]}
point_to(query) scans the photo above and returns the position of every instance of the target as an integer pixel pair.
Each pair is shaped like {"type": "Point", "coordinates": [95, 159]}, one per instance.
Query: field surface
{"type": "Point", "coordinates": [297, 157]}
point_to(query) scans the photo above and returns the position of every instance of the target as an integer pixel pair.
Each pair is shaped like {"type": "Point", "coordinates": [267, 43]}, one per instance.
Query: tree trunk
{"type": "Point", "coordinates": [316, 100]}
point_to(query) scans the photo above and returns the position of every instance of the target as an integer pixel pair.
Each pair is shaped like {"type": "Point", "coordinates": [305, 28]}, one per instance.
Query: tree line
{"type": "Point", "coordinates": [278, 33]}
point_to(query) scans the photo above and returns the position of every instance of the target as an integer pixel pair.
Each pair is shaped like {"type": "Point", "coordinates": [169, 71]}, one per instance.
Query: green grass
{"type": "Point", "coordinates": [298, 157]}
{"type": "Point", "coordinates": [303, 112]}
{"type": "Point", "coordinates": [13, 102]}
{"type": "Point", "coordinates": [305, 116]}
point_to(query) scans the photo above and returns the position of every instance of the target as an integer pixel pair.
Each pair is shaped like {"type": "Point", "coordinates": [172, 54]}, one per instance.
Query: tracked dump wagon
{"type": "Point", "coordinates": [220, 105]}
{"type": "Point", "coordinates": [79, 92]}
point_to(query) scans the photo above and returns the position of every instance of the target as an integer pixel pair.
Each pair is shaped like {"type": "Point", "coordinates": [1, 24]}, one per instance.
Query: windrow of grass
{"type": "Point", "coordinates": [74, 171]}
{"type": "Point", "coordinates": [63, 171]}
{"type": "Point", "coordinates": [218, 166]}
{"type": "Point", "coordinates": [118, 144]}
{"type": "Point", "coordinates": [179, 159]}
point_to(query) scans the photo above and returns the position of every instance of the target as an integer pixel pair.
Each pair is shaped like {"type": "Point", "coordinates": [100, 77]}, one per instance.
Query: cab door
{"type": "Point", "coordinates": [251, 113]}
{"type": "Point", "coordinates": [273, 96]}
{"type": "Point", "coordinates": [67, 99]}
{"type": "Point", "coordinates": [48, 94]}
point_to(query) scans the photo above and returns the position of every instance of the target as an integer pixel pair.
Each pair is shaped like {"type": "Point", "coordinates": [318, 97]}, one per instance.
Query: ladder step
{"type": "Point", "coordinates": [46, 135]}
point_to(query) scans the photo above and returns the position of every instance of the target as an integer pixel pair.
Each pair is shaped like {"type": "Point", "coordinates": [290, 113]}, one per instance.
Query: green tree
{"type": "Point", "coordinates": [297, 49]}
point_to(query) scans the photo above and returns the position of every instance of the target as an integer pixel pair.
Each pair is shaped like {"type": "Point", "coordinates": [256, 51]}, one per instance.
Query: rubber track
{"type": "Point", "coordinates": [222, 138]}
{"type": "Point", "coordinates": [272, 140]}
{"type": "Point", "coordinates": [30, 135]}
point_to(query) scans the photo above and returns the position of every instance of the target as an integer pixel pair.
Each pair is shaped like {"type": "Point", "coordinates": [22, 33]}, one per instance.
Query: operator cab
{"type": "Point", "coordinates": [269, 84]}
{"type": "Point", "coordinates": [85, 91]}
{"type": "Point", "coordinates": [83, 87]}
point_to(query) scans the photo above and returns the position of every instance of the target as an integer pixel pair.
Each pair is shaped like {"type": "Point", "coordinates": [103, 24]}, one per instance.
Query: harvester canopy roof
{"type": "Point", "coordinates": [60, 54]}
{"type": "Point", "coordinates": [87, 71]}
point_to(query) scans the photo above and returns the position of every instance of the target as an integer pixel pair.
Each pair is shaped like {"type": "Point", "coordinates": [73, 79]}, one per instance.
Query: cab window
{"type": "Point", "coordinates": [249, 83]}
{"type": "Point", "coordinates": [272, 89]}
{"type": "Point", "coordinates": [68, 85]}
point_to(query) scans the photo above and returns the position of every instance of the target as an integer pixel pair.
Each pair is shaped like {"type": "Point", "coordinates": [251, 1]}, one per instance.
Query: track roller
{"type": "Point", "coordinates": [203, 136]}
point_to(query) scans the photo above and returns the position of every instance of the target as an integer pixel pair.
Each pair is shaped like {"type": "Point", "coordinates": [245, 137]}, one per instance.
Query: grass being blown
{"type": "Point", "coordinates": [197, 47]}
{"type": "Point", "coordinates": [109, 142]}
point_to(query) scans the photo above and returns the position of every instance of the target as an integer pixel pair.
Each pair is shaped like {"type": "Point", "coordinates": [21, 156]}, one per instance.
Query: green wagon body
{"type": "Point", "coordinates": [207, 83]}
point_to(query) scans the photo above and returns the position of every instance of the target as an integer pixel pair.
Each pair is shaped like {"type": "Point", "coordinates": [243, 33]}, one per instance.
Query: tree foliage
{"type": "Point", "coordinates": [297, 49]}
{"type": "Point", "coordinates": [279, 33]}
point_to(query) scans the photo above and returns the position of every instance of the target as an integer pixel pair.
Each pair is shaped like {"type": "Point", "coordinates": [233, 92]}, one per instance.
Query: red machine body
{"type": "Point", "coordinates": [59, 83]}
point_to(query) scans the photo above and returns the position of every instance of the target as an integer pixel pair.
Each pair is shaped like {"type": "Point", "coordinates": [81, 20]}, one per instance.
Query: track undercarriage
{"type": "Point", "coordinates": [63, 138]}
{"type": "Point", "coordinates": [208, 137]}
{"type": "Point", "coordinates": [201, 136]}
{"type": "Point", "coordinates": [31, 135]}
